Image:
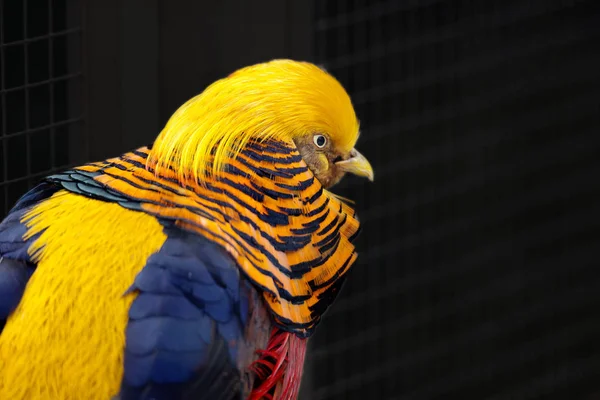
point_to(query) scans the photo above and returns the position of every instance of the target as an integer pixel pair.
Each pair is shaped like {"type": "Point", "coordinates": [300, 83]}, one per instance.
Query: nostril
{"type": "Point", "coordinates": [337, 159]}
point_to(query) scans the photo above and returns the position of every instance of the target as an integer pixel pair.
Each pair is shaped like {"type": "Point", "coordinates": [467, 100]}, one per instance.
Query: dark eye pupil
{"type": "Point", "coordinates": [321, 141]}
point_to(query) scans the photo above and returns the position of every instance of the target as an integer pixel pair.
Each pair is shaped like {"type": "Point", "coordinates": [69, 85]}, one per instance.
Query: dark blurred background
{"type": "Point", "coordinates": [479, 274]}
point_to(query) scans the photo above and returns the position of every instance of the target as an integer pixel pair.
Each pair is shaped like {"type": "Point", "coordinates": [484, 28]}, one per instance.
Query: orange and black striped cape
{"type": "Point", "coordinates": [291, 238]}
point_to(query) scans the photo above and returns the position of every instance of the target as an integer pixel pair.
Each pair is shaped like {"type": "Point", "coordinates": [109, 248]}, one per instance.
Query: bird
{"type": "Point", "coordinates": [196, 267]}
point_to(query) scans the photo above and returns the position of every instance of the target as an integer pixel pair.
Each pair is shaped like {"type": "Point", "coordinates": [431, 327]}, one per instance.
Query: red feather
{"type": "Point", "coordinates": [282, 362]}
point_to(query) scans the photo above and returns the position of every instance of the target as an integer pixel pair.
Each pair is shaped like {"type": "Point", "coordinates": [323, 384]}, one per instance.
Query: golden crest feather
{"type": "Point", "coordinates": [280, 99]}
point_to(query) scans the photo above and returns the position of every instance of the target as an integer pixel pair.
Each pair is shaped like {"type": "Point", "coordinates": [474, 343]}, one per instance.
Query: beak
{"type": "Point", "coordinates": [358, 165]}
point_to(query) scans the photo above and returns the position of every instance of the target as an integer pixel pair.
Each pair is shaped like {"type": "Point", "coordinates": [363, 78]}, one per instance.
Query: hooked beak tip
{"type": "Point", "coordinates": [358, 165]}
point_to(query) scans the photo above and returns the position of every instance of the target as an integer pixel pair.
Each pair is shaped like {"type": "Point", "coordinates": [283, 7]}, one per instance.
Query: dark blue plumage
{"type": "Point", "coordinates": [14, 276]}
{"type": "Point", "coordinates": [186, 323]}
{"type": "Point", "coordinates": [40, 192]}
{"type": "Point", "coordinates": [16, 266]}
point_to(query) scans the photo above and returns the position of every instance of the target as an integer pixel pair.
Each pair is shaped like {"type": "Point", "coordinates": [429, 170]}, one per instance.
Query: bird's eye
{"type": "Point", "coordinates": [320, 141]}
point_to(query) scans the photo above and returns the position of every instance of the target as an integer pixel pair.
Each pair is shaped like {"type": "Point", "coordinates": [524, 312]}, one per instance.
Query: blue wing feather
{"type": "Point", "coordinates": [153, 305]}
{"type": "Point", "coordinates": [40, 192]}
{"type": "Point", "coordinates": [171, 368]}
{"type": "Point", "coordinates": [185, 323]}
{"type": "Point", "coordinates": [14, 276]}
{"type": "Point", "coordinates": [16, 266]}
{"type": "Point", "coordinates": [168, 334]}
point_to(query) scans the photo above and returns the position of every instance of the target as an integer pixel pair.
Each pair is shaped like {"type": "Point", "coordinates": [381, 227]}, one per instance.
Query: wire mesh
{"type": "Point", "coordinates": [40, 78]}
{"type": "Point", "coordinates": [477, 277]}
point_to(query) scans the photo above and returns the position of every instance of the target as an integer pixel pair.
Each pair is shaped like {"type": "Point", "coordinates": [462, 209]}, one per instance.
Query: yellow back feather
{"type": "Point", "coordinates": [280, 99]}
{"type": "Point", "coordinates": [65, 339]}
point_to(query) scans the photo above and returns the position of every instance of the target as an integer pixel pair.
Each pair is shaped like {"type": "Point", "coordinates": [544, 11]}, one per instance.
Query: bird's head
{"type": "Point", "coordinates": [281, 99]}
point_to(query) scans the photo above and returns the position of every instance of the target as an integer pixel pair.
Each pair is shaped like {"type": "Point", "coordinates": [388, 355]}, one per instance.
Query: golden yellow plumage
{"type": "Point", "coordinates": [67, 334]}
{"type": "Point", "coordinates": [240, 166]}
{"type": "Point", "coordinates": [280, 100]}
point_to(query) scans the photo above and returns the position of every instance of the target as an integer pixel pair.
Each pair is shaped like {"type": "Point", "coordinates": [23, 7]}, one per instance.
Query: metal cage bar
{"type": "Point", "coordinates": [37, 40]}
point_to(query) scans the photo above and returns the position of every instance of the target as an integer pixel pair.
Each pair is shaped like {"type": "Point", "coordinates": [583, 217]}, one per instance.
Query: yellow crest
{"type": "Point", "coordinates": [280, 99]}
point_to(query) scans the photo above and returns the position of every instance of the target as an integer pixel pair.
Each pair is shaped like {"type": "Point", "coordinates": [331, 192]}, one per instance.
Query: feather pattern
{"type": "Point", "coordinates": [185, 323]}
{"type": "Point", "coordinates": [13, 243]}
{"type": "Point", "coordinates": [65, 338]}
{"type": "Point", "coordinates": [16, 266]}
{"type": "Point", "coordinates": [275, 100]}
{"type": "Point", "coordinates": [187, 328]}
{"type": "Point", "coordinates": [292, 238]}
{"type": "Point", "coordinates": [14, 276]}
